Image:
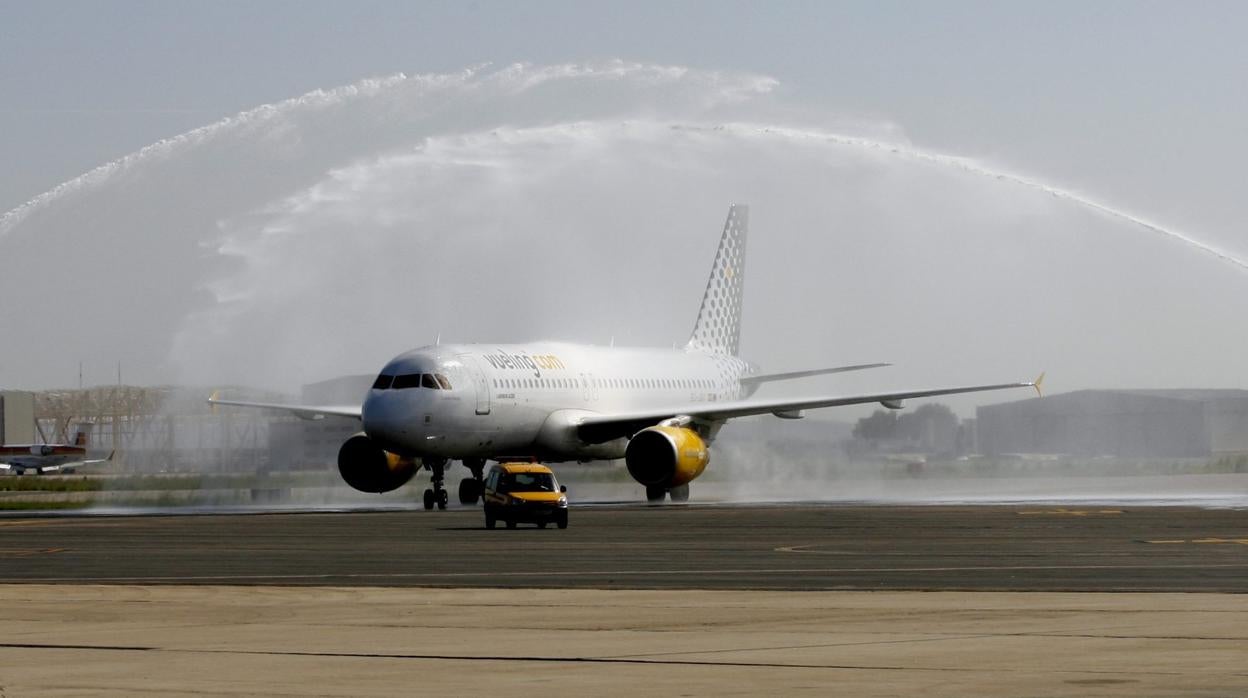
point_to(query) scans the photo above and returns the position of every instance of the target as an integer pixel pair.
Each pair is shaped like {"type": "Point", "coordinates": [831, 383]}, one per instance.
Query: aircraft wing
{"type": "Point", "coordinates": [600, 428]}
{"type": "Point", "coordinates": [301, 411]}
{"type": "Point", "coordinates": [790, 375]}
{"type": "Point", "coordinates": [76, 464]}
{"type": "Point", "coordinates": [34, 464]}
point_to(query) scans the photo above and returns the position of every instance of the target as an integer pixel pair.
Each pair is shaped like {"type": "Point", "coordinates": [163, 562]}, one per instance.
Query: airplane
{"type": "Point", "coordinates": [658, 409]}
{"type": "Point", "coordinates": [16, 459]}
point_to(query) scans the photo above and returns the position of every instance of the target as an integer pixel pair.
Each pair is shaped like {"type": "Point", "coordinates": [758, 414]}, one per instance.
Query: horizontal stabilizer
{"type": "Point", "coordinates": [760, 378]}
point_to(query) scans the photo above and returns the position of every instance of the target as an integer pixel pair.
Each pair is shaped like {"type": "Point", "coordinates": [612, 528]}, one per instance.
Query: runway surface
{"type": "Point", "coordinates": [789, 547]}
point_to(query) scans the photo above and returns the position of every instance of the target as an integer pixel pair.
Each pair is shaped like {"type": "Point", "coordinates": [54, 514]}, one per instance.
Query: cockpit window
{"type": "Point", "coordinates": [410, 380]}
{"type": "Point", "coordinates": [433, 381]}
{"type": "Point", "coordinates": [527, 482]}
{"type": "Point", "coordinates": [383, 382]}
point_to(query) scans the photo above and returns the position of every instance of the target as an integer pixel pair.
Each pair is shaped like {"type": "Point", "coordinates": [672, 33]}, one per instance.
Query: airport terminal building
{"type": "Point", "coordinates": [1120, 423]}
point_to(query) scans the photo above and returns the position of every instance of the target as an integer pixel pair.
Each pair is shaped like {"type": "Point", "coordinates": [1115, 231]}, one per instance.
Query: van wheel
{"type": "Point", "coordinates": [489, 521]}
{"type": "Point", "coordinates": [562, 521]}
{"type": "Point", "coordinates": [541, 524]}
{"type": "Point", "coordinates": [511, 524]}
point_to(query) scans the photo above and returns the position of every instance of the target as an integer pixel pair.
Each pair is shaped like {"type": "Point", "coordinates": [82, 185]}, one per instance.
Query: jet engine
{"type": "Point", "coordinates": [666, 456]}
{"type": "Point", "coordinates": [41, 450]}
{"type": "Point", "coordinates": [368, 468]}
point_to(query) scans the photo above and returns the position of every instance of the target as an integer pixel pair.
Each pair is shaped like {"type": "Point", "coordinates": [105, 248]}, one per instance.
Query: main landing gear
{"type": "Point", "coordinates": [657, 493]}
{"type": "Point", "coordinates": [436, 494]}
{"type": "Point", "coordinates": [470, 488]}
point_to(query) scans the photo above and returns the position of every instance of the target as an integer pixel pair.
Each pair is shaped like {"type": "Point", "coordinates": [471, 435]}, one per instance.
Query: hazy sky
{"type": "Point", "coordinates": [1139, 105]}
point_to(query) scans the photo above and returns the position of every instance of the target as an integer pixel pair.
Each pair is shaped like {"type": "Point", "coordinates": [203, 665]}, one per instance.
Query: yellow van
{"type": "Point", "coordinates": [528, 492]}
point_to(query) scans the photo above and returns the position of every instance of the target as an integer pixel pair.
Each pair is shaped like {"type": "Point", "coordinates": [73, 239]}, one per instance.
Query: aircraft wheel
{"type": "Point", "coordinates": [655, 494]}
{"type": "Point", "coordinates": [680, 494]}
{"type": "Point", "coordinates": [428, 500]}
{"type": "Point", "coordinates": [442, 498]}
{"type": "Point", "coordinates": [469, 491]}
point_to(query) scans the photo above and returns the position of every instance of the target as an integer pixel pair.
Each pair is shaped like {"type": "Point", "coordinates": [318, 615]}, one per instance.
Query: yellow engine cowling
{"type": "Point", "coordinates": [366, 467]}
{"type": "Point", "coordinates": [666, 456]}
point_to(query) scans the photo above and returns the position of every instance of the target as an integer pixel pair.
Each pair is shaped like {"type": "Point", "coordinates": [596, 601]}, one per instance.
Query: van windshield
{"type": "Point", "coordinates": [527, 482]}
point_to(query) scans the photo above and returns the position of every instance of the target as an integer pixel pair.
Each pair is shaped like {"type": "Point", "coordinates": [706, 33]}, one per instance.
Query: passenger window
{"type": "Point", "coordinates": [410, 380]}
{"type": "Point", "coordinates": [383, 382]}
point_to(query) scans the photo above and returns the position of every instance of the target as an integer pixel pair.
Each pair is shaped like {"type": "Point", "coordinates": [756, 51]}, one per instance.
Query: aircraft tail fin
{"type": "Point", "coordinates": [718, 327]}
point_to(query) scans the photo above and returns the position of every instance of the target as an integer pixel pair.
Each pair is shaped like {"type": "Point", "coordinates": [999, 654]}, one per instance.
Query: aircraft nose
{"type": "Point", "coordinates": [380, 417]}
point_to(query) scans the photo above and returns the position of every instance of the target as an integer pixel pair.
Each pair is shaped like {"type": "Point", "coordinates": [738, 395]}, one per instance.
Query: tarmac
{"type": "Point", "coordinates": [1029, 547]}
{"type": "Point", "coordinates": [692, 600]}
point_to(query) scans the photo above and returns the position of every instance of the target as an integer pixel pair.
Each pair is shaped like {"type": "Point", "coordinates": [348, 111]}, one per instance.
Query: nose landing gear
{"type": "Point", "coordinates": [470, 489]}
{"type": "Point", "coordinates": [436, 494]}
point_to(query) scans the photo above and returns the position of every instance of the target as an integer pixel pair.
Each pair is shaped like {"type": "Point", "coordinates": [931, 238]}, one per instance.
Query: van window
{"type": "Point", "coordinates": [527, 482]}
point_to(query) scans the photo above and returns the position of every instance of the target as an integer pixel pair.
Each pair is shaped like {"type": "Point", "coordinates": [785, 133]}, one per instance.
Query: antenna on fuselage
{"type": "Point", "coordinates": [438, 342]}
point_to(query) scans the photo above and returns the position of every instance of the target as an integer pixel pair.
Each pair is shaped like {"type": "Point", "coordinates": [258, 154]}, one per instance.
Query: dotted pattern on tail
{"type": "Point", "coordinates": [718, 328]}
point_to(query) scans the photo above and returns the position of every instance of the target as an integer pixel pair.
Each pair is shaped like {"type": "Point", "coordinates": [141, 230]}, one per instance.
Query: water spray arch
{"type": "Point", "coordinates": [309, 201]}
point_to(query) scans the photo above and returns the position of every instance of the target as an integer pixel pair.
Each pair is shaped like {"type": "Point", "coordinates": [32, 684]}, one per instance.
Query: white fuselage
{"type": "Point", "coordinates": [40, 457]}
{"type": "Point", "coordinates": [517, 400]}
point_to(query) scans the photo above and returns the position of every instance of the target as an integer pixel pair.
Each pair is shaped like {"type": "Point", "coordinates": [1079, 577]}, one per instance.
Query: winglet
{"type": "Point", "coordinates": [1037, 383]}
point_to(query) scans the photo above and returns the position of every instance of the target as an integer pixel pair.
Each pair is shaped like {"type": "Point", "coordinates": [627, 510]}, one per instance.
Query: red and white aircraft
{"type": "Point", "coordinates": [16, 459]}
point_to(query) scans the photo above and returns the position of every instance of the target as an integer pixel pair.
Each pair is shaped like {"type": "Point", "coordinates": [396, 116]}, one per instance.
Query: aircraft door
{"type": "Point", "coordinates": [589, 387]}
{"type": "Point", "coordinates": [482, 385]}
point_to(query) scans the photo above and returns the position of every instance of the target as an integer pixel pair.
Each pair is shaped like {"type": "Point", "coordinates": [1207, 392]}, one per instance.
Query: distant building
{"type": "Point", "coordinates": [313, 444]}
{"type": "Point", "coordinates": [1122, 423]}
{"type": "Point", "coordinates": [17, 417]}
